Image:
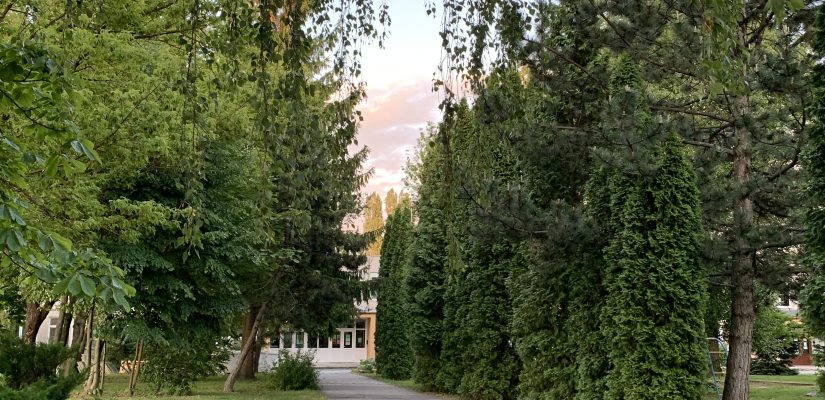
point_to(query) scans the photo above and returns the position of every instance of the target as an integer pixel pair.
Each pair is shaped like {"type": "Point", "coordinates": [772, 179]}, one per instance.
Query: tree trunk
{"type": "Point", "coordinates": [135, 373]}
{"type": "Point", "coordinates": [64, 321]}
{"type": "Point", "coordinates": [742, 268]}
{"type": "Point", "coordinates": [248, 368]}
{"type": "Point", "coordinates": [35, 315]}
{"type": "Point", "coordinates": [78, 340]}
{"type": "Point", "coordinates": [256, 355]}
{"type": "Point", "coordinates": [94, 381]}
{"type": "Point", "coordinates": [246, 350]}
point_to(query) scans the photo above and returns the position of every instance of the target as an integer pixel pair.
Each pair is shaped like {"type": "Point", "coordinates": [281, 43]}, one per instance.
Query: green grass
{"type": "Point", "coordinates": [774, 387]}
{"type": "Point", "coordinates": [206, 389]}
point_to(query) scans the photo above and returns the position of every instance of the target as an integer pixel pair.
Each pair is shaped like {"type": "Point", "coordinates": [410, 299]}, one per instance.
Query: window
{"type": "Point", "coordinates": [312, 342]}
{"type": "Point", "coordinates": [336, 340]}
{"type": "Point", "coordinates": [323, 342]}
{"type": "Point", "coordinates": [299, 340]}
{"type": "Point", "coordinates": [360, 338]}
{"type": "Point", "coordinates": [275, 342]}
{"type": "Point", "coordinates": [360, 333]}
{"type": "Point", "coordinates": [52, 330]}
{"type": "Point", "coordinates": [348, 340]}
{"type": "Point", "coordinates": [287, 340]}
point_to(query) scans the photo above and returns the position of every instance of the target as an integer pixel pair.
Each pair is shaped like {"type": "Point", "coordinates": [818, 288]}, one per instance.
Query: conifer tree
{"type": "Point", "coordinates": [813, 299]}
{"type": "Point", "coordinates": [393, 354]}
{"type": "Point", "coordinates": [427, 263]}
{"type": "Point", "coordinates": [653, 314]}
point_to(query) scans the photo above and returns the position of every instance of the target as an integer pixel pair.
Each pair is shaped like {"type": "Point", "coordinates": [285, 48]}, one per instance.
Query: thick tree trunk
{"type": "Point", "coordinates": [35, 315]}
{"type": "Point", "coordinates": [246, 350]}
{"type": "Point", "coordinates": [248, 367]}
{"type": "Point", "coordinates": [742, 268]}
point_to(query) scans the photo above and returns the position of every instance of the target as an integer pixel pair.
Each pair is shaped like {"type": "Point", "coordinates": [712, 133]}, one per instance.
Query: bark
{"type": "Point", "coordinates": [135, 373]}
{"type": "Point", "coordinates": [246, 351]}
{"type": "Point", "coordinates": [94, 381]}
{"type": "Point", "coordinates": [247, 368]}
{"type": "Point", "coordinates": [64, 321]}
{"type": "Point", "coordinates": [78, 340]}
{"type": "Point", "coordinates": [35, 315]}
{"type": "Point", "coordinates": [742, 270]}
{"type": "Point", "coordinates": [256, 355]}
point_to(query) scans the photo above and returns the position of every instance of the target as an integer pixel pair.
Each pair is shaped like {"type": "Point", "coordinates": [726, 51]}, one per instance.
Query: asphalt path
{"type": "Point", "coordinates": [339, 384]}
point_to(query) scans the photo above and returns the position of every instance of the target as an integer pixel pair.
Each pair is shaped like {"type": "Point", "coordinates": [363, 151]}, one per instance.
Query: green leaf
{"type": "Point", "coordinates": [51, 165]}
{"type": "Point", "coordinates": [120, 299]}
{"type": "Point", "coordinates": [61, 242]}
{"type": "Point", "coordinates": [88, 149]}
{"type": "Point", "coordinates": [46, 275]}
{"type": "Point", "coordinates": [87, 285]}
{"type": "Point", "coordinates": [74, 285]}
{"type": "Point", "coordinates": [45, 242]}
{"type": "Point", "coordinates": [61, 286]}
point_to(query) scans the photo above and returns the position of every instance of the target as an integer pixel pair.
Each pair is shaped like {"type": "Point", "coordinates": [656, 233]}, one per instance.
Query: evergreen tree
{"type": "Point", "coordinates": [813, 299]}
{"type": "Point", "coordinates": [393, 354]}
{"type": "Point", "coordinates": [653, 314]}
{"type": "Point", "coordinates": [427, 263]}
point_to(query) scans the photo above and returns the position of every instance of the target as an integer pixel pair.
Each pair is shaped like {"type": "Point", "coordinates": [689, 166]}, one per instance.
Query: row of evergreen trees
{"type": "Point", "coordinates": [607, 304]}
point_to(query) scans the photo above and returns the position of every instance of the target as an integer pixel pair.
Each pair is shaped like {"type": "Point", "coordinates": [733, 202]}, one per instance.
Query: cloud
{"type": "Point", "coordinates": [393, 119]}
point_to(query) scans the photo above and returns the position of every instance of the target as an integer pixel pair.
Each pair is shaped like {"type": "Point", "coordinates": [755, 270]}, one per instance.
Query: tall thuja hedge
{"type": "Point", "coordinates": [653, 315]}
{"type": "Point", "coordinates": [813, 297]}
{"type": "Point", "coordinates": [427, 261]}
{"type": "Point", "coordinates": [392, 340]}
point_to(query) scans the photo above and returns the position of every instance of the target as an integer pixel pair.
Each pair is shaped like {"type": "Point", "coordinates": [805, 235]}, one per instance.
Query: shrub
{"type": "Point", "coordinates": [28, 371]}
{"type": "Point", "coordinates": [293, 372]}
{"type": "Point", "coordinates": [366, 366]}
{"type": "Point", "coordinates": [773, 342]}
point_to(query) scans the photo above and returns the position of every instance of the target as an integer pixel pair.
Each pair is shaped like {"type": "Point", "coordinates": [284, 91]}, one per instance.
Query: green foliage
{"type": "Point", "coordinates": [774, 342]}
{"type": "Point", "coordinates": [393, 355]}
{"type": "Point", "coordinates": [28, 371]}
{"type": "Point", "coordinates": [293, 372]}
{"type": "Point", "coordinates": [426, 271]}
{"type": "Point", "coordinates": [366, 366]}
{"type": "Point", "coordinates": [653, 313]}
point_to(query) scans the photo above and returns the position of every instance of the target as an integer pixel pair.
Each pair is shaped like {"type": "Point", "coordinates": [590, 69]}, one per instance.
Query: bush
{"type": "Point", "coordinates": [28, 371]}
{"type": "Point", "coordinates": [293, 372]}
{"type": "Point", "coordinates": [773, 342]}
{"type": "Point", "coordinates": [366, 366]}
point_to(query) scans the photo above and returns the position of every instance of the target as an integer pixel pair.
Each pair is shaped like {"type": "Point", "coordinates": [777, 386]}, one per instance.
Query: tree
{"type": "Point", "coordinates": [374, 222]}
{"type": "Point", "coordinates": [426, 273]}
{"type": "Point", "coordinates": [393, 354]}
{"type": "Point", "coordinates": [813, 302]}
{"type": "Point", "coordinates": [737, 108]}
{"type": "Point", "coordinates": [391, 201]}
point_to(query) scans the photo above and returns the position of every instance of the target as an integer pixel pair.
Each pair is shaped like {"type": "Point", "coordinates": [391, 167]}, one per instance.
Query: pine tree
{"type": "Point", "coordinates": [392, 340]}
{"type": "Point", "coordinates": [655, 286]}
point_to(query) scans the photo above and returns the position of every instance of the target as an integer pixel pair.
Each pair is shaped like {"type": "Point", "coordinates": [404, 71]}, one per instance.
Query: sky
{"type": "Point", "coordinates": [399, 101]}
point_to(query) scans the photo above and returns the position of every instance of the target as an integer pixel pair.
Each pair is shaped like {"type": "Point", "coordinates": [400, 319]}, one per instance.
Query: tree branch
{"type": "Point", "coordinates": [690, 112]}
{"type": "Point", "coordinates": [708, 145]}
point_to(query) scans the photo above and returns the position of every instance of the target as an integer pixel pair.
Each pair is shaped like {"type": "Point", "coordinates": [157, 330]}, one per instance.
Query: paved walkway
{"type": "Point", "coordinates": [340, 384]}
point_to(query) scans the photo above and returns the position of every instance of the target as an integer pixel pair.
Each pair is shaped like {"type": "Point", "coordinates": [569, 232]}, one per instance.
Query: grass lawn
{"type": "Point", "coordinates": [771, 387]}
{"type": "Point", "coordinates": [207, 389]}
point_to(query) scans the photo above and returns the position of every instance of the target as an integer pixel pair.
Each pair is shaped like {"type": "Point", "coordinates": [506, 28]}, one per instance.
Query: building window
{"type": "Point", "coordinates": [347, 340]}
{"type": "Point", "coordinates": [323, 342]}
{"type": "Point", "coordinates": [52, 330]}
{"type": "Point", "coordinates": [312, 341]}
{"type": "Point", "coordinates": [288, 340]}
{"type": "Point", "coordinates": [299, 340]}
{"type": "Point", "coordinates": [275, 342]}
{"type": "Point", "coordinates": [336, 340]}
{"type": "Point", "coordinates": [360, 333]}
